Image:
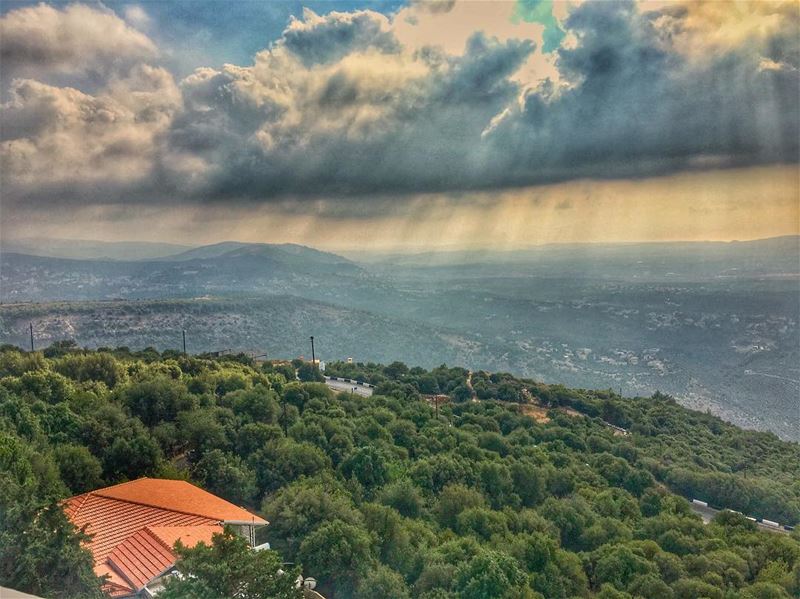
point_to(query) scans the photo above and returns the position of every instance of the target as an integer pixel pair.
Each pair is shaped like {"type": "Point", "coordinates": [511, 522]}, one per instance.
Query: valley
{"type": "Point", "coordinates": [714, 325]}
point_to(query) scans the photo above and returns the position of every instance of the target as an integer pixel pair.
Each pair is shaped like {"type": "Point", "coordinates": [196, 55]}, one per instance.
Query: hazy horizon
{"type": "Point", "coordinates": [359, 250]}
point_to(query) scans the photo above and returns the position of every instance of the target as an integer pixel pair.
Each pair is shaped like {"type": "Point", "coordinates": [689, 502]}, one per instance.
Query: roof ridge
{"type": "Point", "coordinates": [120, 572]}
{"type": "Point", "coordinates": [85, 497]}
{"type": "Point", "coordinates": [105, 490]}
{"type": "Point", "coordinates": [149, 530]}
{"type": "Point", "coordinates": [127, 482]}
{"type": "Point", "coordinates": [126, 574]}
{"type": "Point", "coordinates": [159, 507]}
{"type": "Point", "coordinates": [86, 494]}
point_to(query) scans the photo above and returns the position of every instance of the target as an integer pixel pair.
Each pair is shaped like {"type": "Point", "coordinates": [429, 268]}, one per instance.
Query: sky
{"type": "Point", "coordinates": [396, 125]}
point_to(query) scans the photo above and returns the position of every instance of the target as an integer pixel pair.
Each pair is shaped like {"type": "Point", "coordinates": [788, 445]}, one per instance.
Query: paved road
{"type": "Point", "coordinates": [772, 376]}
{"type": "Point", "coordinates": [340, 385]}
{"type": "Point", "coordinates": [707, 513]}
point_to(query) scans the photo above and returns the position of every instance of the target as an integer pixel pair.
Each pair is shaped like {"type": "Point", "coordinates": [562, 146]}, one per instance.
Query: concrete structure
{"type": "Point", "coordinates": [6, 593]}
{"type": "Point", "coordinates": [341, 385]}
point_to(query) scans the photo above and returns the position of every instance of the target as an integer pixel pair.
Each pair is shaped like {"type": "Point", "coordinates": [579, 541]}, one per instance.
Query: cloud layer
{"type": "Point", "coordinates": [78, 40]}
{"type": "Point", "coordinates": [361, 104]}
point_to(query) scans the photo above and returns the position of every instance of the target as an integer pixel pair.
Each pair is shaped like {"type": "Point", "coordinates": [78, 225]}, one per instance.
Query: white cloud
{"type": "Point", "coordinates": [60, 137]}
{"type": "Point", "coordinates": [137, 16]}
{"type": "Point", "coordinates": [705, 29]}
{"type": "Point", "coordinates": [41, 40]}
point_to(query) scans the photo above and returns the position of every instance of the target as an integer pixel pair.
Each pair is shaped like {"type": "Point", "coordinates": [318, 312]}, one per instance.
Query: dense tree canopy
{"type": "Point", "coordinates": [504, 488]}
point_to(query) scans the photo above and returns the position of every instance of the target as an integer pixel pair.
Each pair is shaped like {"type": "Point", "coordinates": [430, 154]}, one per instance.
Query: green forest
{"type": "Point", "coordinates": [444, 483]}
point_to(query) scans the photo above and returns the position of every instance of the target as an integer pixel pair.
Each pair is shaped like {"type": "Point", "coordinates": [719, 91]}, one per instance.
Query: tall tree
{"type": "Point", "coordinates": [230, 568]}
{"type": "Point", "coordinates": [40, 549]}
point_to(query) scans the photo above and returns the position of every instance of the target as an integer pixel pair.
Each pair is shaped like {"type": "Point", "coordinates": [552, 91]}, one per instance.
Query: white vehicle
{"type": "Point", "coordinates": [698, 502]}
{"type": "Point", "coordinates": [770, 523]}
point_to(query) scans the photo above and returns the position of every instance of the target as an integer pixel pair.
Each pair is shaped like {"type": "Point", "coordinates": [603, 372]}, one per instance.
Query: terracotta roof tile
{"type": "Point", "coordinates": [115, 585]}
{"type": "Point", "coordinates": [188, 535]}
{"type": "Point", "coordinates": [140, 558]}
{"type": "Point", "coordinates": [109, 521]}
{"type": "Point", "coordinates": [178, 496]}
{"type": "Point", "coordinates": [134, 526]}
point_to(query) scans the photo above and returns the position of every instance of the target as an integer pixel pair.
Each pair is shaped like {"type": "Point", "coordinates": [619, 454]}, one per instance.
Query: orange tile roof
{"type": "Point", "coordinates": [115, 585]}
{"type": "Point", "coordinates": [109, 521]}
{"type": "Point", "coordinates": [149, 553]}
{"type": "Point", "coordinates": [141, 557]}
{"type": "Point", "coordinates": [179, 496]}
{"type": "Point", "coordinates": [134, 526]}
{"type": "Point", "coordinates": [188, 535]}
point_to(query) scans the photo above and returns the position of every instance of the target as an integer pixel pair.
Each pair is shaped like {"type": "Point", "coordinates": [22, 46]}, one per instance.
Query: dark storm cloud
{"type": "Point", "coordinates": [338, 107]}
{"type": "Point", "coordinates": [424, 139]}
{"type": "Point", "coordinates": [639, 109]}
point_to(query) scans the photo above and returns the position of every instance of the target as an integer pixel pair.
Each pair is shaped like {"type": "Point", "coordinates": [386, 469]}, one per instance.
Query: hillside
{"type": "Point", "coordinates": [223, 268]}
{"type": "Point", "coordinates": [285, 253]}
{"type": "Point", "coordinates": [714, 324]}
{"type": "Point", "coordinates": [274, 325]}
{"type": "Point", "coordinates": [466, 499]}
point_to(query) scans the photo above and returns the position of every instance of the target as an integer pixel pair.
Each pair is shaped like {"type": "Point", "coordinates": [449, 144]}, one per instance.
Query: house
{"type": "Point", "coordinates": [134, 527]}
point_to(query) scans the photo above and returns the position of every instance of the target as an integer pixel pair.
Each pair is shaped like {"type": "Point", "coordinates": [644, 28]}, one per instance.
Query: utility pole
{"type": "Point", "coordinates": [283, 405]}
{"type": "Point", "coordinates": [30, 325]}
{"type": "Point", "coordinates": [184, 342]}
{"type": "Point", "coordinates": [313, 357]}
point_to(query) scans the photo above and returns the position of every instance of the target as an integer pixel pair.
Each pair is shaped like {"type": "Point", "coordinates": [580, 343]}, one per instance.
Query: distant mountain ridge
{"type": "Point", "coordinates": [137, 251]}
{"type": "Point", "coordinates": [225, 268]}
{"type": "Point", "coordinates": [80, 249]}
{"type": "Point", "coordinates": [787, 245]}
{"type": "Point", "coordinates": [283, 252]}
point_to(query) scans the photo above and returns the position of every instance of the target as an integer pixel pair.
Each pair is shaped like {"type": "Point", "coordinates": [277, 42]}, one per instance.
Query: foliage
{"type": "Point", "coordinates": [309, 373]}
{"type": "Point", "coordinates": [229, 568]}
{"type": "Point", "coordinates": [40, 550]}
{"type": "Point", "coordinates": [394, 496]}
{"type": "Point", "coordinates": [340, 552]}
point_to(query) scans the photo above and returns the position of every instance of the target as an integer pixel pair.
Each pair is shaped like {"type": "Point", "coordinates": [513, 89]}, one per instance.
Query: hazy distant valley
{"type": "Point", "coordinates": [713, 324]}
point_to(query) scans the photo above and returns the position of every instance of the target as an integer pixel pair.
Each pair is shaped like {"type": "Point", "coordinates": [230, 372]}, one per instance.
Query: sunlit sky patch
{"type": "Point", "coordinates": [541, 11]}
